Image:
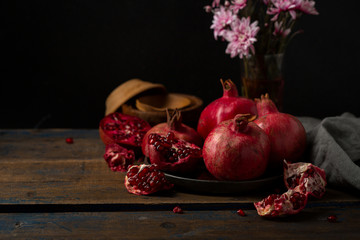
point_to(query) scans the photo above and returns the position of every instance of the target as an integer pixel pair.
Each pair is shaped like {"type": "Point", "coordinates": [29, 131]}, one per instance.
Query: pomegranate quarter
{"type": "Point", "coordinates": [236, 150]}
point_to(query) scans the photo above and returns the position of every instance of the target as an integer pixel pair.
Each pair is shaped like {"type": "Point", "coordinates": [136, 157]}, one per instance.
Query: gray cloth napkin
{"type": "Point", "coordinates": [334, 145]}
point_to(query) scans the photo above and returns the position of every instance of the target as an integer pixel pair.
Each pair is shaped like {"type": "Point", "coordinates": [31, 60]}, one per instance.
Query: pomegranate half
{"type": "Point", "coordinates": [175, 125]}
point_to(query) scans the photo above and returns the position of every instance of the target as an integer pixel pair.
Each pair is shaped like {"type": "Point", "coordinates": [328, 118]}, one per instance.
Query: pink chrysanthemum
{"type": "Point", "coordinates": [291, 6]}
{"type": "Point", "coordinates": [215, 3]}
{"type": "Point", "coordinates": [237, 5]}
{"type": "Point", "coordinates": [280, 31]}
{"type": "Point", "coordinates": [221, 21]}
{"type": "Point", "coordinates": [242, 37]}
{"type": "Point", "coordinates": [307, 7]}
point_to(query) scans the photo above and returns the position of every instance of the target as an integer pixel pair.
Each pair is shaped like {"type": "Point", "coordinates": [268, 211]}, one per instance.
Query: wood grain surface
{"type": "Point", "coordinates": [309, 224]}
{"type": "Point", "coordinates": [51, 189]}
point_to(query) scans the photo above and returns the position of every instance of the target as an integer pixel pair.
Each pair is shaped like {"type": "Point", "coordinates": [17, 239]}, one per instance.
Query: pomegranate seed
{"type": "Point", "coordinates": [69, 140]}
{"type": "Point", "coordinates": [241, 212]}
{"type": "Point", "coordinates": [177, 209]}
{"type": "Point", "coordinates": [332, 218]}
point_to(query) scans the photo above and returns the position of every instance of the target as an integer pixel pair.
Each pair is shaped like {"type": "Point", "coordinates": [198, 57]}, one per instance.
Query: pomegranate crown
{"type": "Point", "coordinates": [229, 88]}
{"type": "Point", "coordinates": [265, 105]}
{"type": "Point", "coordinates": [174, 119]}
{"type": "Point", "coordinates": [241, 121]}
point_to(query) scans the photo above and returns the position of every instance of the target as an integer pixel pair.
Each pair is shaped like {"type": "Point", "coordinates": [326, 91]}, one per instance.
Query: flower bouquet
{"type": "Point", "coordinates": [258, 31]}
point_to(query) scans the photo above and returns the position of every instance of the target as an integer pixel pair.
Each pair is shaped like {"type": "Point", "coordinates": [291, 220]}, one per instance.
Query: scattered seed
{"type": "Point", "coordinates": [332, 218]}
{"type": "Point", "coordinates": [178, 209]}
{"type": "Point", "coordinates": [241, 212]}
{"type": "Point", "coordinates": [69, 140]}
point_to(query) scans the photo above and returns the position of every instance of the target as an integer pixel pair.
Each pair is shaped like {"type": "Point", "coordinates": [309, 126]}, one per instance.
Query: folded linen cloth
{"type": "Point", "coordinates": [334, 145]}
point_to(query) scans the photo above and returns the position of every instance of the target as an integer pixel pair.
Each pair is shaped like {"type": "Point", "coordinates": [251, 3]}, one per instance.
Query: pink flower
{"type": "Point", "coordinates": [307, 7]}
{"type": "Point", "coordinates": [238, 5]}
{"type": "Point", "coordinates": [221, 21]}
{"type": "Point", "coordinates": [291, 6]}
{"type": "Point", "coordinates": [215, 3]}
{"type": "Point", "coordinates": [280, 31]}
{"type": "Point", "coordinates": [242, 37]}
{"type": "Point", "coordinates": [279, 6]}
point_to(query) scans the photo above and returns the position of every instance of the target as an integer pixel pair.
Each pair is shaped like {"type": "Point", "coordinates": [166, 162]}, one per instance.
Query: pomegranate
{"type": "Point", "coordinates": [236, 150]}
{"type": "Point", "coordinates": [302, 180]}
{"type": "Point", "coordinates": [175, 125]}
{"type": "Point", "coordinates": [118, 158]}
{"type": "Point", "coordinates": [224, 108]}
{"type": "Point", "coordinates": [145, 179]}
{"type": "Point", "coordinates": [290, 202]}
{"type": "Point", "coordinates": [309, 178]}
{"type": "Point", "coordinates": [286, 133]}
{"type": "Point", "coordinates": [69, 140]}
{"type": "Point", "coordinates": [125, 130]}
{"type": "Point", "coordinates": [172, 154]}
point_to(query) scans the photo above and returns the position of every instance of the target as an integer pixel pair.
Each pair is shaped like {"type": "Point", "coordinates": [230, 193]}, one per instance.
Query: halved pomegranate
{"type": "Point", "coordinates": [175, 125]}
{"type": "Point", "coordinates": [118, 158]}
{"type": "Point", "coordinates": [172, 154]}
{"type": "Point", "coordinates": [125, 130]}
{"type": "Point", "coordinates": [309, 178]}
{"type": "Point", "coordinates": [145, 179]}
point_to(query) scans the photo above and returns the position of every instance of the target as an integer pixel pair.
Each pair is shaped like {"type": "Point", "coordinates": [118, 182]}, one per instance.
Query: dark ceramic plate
{"type": "Point", "coordinates": [223, 187]}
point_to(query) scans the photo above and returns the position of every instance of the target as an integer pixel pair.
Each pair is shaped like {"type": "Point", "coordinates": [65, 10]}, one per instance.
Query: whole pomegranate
{"type": "Point", "coordinates": [236, 150]}
{"type": "Point", "coordinates": [175, 125]}
{"type": "Point", "coordinates": [118, 158]}
{"type": "Point", "coordinates": [122, 129]}
{"type": "Point", "coordinates": [224, 108]}
{"type": "Point", "coordinates": [286, 133]}
{"type": "Point", "coordinates": [172, 154]}
{"type": "Point", "coordinates": [145, 179]}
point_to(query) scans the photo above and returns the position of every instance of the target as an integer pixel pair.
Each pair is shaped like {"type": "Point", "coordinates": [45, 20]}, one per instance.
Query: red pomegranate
{"type": "Point", "coordinates": [308, 177]}
{"type": "Point", "coordinates": [122, 129]}
{"type": "Point", "coordinates": [118, 158]}
{"type": "Point", "coordinates": [288, 203]}
{"type": "Point", "coordinates": [175, 125]}
{"type": "Point", "coordinates": [286, 133]}
{"type": "Point", "coordinates": [172, 154]}
{"type": "Point", "coordinates": [145, 179]}
{"type": "Point", "coordinates": [236, 150]}
{"type": "Point", "coordinates": [224, 108]}
{"type": "Point", "coordinates": [302, 180]}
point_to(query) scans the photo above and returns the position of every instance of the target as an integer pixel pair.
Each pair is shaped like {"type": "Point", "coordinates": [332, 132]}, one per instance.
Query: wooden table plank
{"type": "Point", "coordinates": [39, 168]}
{"type": "Point", "coordinates": [311, 223]}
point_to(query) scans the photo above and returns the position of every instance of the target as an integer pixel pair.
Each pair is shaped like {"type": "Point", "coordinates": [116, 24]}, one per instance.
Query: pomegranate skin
{"type": "Point", "coordinates": [236, 150]}
{"type": "Point", "coordinates": [286, 133]}
{"type": "Point", "coordinates": [224, 108]}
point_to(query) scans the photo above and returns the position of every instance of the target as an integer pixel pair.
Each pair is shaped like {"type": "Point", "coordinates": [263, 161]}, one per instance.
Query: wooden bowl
{"type": "Point", "coordinates": [190, 114]}
{"type": "Point", "coordinates": [128, 90]}
{"type": "Point", "coordinates": [162, 102]}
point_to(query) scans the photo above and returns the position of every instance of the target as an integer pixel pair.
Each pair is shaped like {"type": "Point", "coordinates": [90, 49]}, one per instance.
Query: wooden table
{"type": "Point", "coordinates": [51, 189]}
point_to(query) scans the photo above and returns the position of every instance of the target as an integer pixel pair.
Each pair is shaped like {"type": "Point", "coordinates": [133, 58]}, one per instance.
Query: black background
{"type": "Point", "coordinates": [62, 58]}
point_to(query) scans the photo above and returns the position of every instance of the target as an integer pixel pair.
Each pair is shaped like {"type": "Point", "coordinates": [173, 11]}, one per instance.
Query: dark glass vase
{"type": "Point", "coordinates": [262, 74]}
